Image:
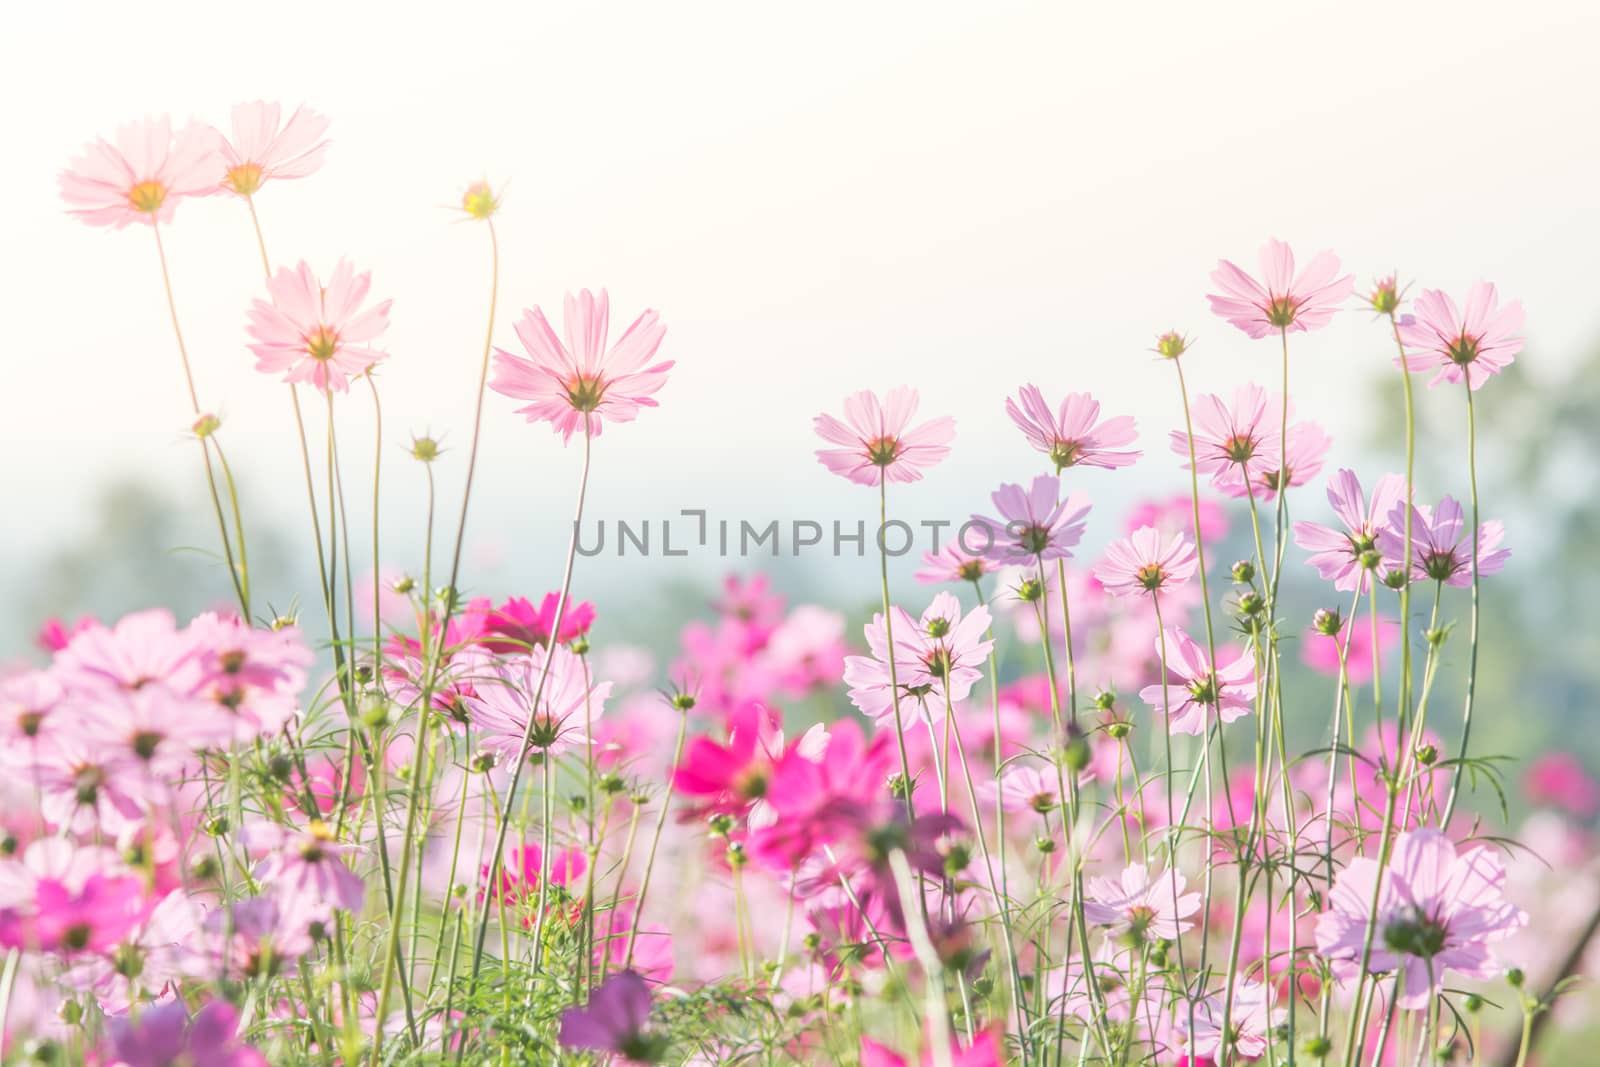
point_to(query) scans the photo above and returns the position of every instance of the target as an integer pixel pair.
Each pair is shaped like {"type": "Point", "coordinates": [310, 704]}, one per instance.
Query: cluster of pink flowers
{"type": "Point", "coordinates": [1038, 831]}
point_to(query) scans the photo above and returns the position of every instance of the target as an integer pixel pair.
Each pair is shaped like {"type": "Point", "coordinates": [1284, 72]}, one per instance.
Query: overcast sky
{"type": "Point", "coordinates": [816, 198]}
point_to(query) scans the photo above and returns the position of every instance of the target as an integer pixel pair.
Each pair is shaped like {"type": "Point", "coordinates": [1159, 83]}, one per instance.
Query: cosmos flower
{"type": "Point", "coordinates": [1070, 435]}
{"type": "Point", "coordinates": [305, 870]}
{"type": "Point", "coordinates": [1194, 692]}
{"type": "Point", "coordinates": [1034, 524]}
{"type": "Point", "coordinates": [877, 442]}
{"type": "Point", "coordinates": [1250, 1022]}
{"type": "Point", "coordinates": [1140, 905]}
{"type": "Point", "coordinates": [1345, 556]}
{"type": "Point", "coordinates": [163, 1035]}
{"type": "Point", "coordinates": [316, 333]}
{"type": "Point", "coordinates": [941, 645]}
{"type": "Point", "coordinates": [143, 176]}
{"type": "Point", "coordinates": [1476, 343]}
{"type": "Point", "coordinates": [1282, 301]}
{"type": "Point", "coordinates": [1440, 551]}
{"type": "Point", "coordinates": [1438, 911]}
{"type": "Point", "coordinates": [952, 563]}
{"type": "Point", "coordinates": [581, 385]}
{"type": "Point", "coordinates": [264, 148]}
{"type": "Point", "coordinates": [1233, 444]}
{"type": "Point", "coordinates": [1142, 565]}
{"type": "Point", "coordinates": [614, 1021]}
{"type": "Point", "coordinates": [1024, 787]}
{"type": "Point", "coordinates": [508, 693]}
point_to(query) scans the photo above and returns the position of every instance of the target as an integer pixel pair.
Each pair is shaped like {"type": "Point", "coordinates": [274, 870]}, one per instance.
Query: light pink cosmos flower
{"type": "Point", "coordinates": [305, 871]}
{"type": "Point", "coordinates": [1438, 913]}
{"type": "Point", "coordinates": [1251, 1022]}
{"type": "Point", "coordinates": [1141, 565]}
{"type": "Point", "coordinates": [1308, 447]}
{"type": "Point", "coordinates": [1477, 343]}
{"type": "Point", "coordinates": [504, 698]}
{"type": "Point", "coordinates": [27, 701]}
{"type": "Point", "coordinates": [1286, 302]}
{"type": "Point", "coordinates": [314, 333]}
{"type": "Point", "coordinates": [1194, 692]}
{"type": "Point", "coordinates": [952, 563]}
{"type": "Point", "coordinates": [941, 643]}
{"type": "Point", "coordinates": [263, 148]}
{"type": "Point", "coordinates": [1145, 906]}
{"type": "Point", "coordinates": [139, 649]}
{"type": "Point", "coordinates": [1345, 556]}
{"type": "Point", "coordinates": [1036, 523]}
{"type": "Point", "coordinates": [1439, 548]}
{"type": "Point", "coordinates": [1024, 787]}
{"type": "Point", "coordinates": [580, 385]}
{"type": "Point", "coordinates": [1233, 445]}
{"type": "Point", "coordinates": [876, 442]}
{"type": "Point", "coordinates": [142, 177]}
{"type": "Point", "coordinates": [1070, 435]}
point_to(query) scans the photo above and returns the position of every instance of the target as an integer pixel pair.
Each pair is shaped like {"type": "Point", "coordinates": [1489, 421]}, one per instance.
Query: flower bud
{"type": "Point", "coordinates": [1171, 345]}
{"type": "Point", "coordinates": [1515, 977]}
{"type": "Point", "coordinates": [1317, 1047]}
{"type": "Point", "coordinates": [1046, 845]}
{"type": "Point", "coordinates": [1327, 622]}
{"type": "Point", "coordinates": [612, 784]}
{"type": "Point", "coordinates": [721, 824]}
{"type": "Point", "coordinates": [1426, 754]}
{"type": "Point", "coordinates": [206, 425]}
{"type": "Point", "coordinates": [956, 860]}
{"type": "Point", "coordinates": [1030, 591]}
{"type": "Point", "coordinates": [1075, 750]}
{"type": "Point", "coordinates": [1472, 1004]}
{"type": "Point", "coordinates": [484, 761]}
{"type": "Point", "coordinates": [480, 201]}
{"type": "Point", "coordinates": [424, 449]}
{"type": "Point", "coordinates": [1105, 700]}
{"type": "Point", "coordinates": [1385, 295]}
{"type": "Point", "coordinates": [403, 584]}
{"type": "Point", "coordinates": [1251, 604]}
{"type": "Point", "coordinates": [1395, 579]}
{"type": "Point", "coordinates": [682, 702]}
{"type": "Point", "coordinates": [1120, 729]}
{"type": "Point", "coordinates": [1244, 572]}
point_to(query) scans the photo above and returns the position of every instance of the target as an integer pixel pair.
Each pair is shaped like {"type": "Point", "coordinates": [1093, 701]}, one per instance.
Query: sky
{"type": "Point", "coordinates": [960, 197]}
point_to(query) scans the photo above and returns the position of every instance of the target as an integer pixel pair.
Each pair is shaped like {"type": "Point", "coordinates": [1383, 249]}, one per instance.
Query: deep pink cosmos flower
{"type": "Point", "coordinates": [876, 442]}
{"type": "Point", "coordinates": [517, 625]}
{"type": "Point", "coordinates": [614, 1021]}
{"type": "Point", "coordinates": [1141, 565]}
{"type": "Point", "coordinates": [142, 177]}
{"type": "Point", "coordinates": [1251, 1022]}
{"type": "Point", "coordinates": [1140, 905]}
{"type": "Point", "coordinates": [504, 700]}
{"type": "Point", "coordinates": [1034, 524]}
{"type": "Point", "coordinates": [1070, 435]}
{"type": "Point", "coordinates": [729, 777]}
{"type": "Point", "coordinates": [1194, 692]}
{"type": "Point", "coordinates": [1559, 779]}
{"type": "Point", "coordinates": [315, 333]}
{"type": "Point", "coordinates": [580, 385]}
{"type": "Point", "coordinates": [524, 866]}
{"type": "Point", "coordinates": [1286, 301]}
{"type": "Point", "coordinates": [985, 1051]}
{"type": "Point", "coordinates": [818, 797]}
{"type": "Point", "coordinates": [1345, 556]}
{"type": "Point", "coordinates": [164, 1036]}
{"type": "Point", "coordinates": [1438, 913]}
{"type": "Point", "coordinates": [263, 148]}
{"type": "Point", "coordinates": [1439, 548]}
{"type": "Point", "coordinates": [1477, 343]}
{"type": "Point", "coordinates": [56, 634]}
{"type": "Point", "coordinates": [1320, 651]}
{"type": "Point", "coordinates": [62, 898]}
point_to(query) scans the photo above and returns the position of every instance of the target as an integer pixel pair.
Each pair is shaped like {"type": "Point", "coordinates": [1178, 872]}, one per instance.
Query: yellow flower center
{"type": "Point", "coordinates": [585, 394]}
{"type": "Point", "coordinates": [322, 343]}
{"type": "Point", "coordinates": [147, 196]}
{"type": "Point", "coordinates": [245, 178]}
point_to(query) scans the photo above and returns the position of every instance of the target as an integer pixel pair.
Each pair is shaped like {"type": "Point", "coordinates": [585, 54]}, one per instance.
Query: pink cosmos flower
{"type": "Point", "coordinates": [1286, 302]}
{"type": "Point", "coordinates": [985, 1051]}
{"type": "Point", "coordinates": [1024, 787]}
{"type": "Point", "coordinates": [1194, 692]}
{"type": "Point", "coordinates": [522, 870]}
{"type": "Point", "coordinates": [1142, 565]}
{"type": "Point", "coordinates": [26, 703]}
{"type": "Point", "coordinates": [263, 148]}
{"type": "Point", "coordinates": [504, 700]}
{"type": "Point", "coordinates": [1233, 445]}
{"type": "Point", "coordinates": [952, 563]}
{"type": "Point", "coordinates": [163, 1035]}
{"type": "Point", "coordinates": [141, 648]}
{"type": "Point", "coordinates": [819, 797]}
{"type": "Point", "coordinates": [941, 646]}
{"type": "Point", "coordinates": [614, 1021]}
{"type": "Point", "coordinates": [1559, 779]}
{"type": "Point", "coordinates": [1345, 556]}
{"type": "Point", "coordinates": [1251, 1022]}
{"type": "Point", "coordinates": [1308, 447]}
{"type": "Point", "coordinates": [1034, 524]}
{"type": "Point", "coordinates": [56, 634]}
{"type": "Point", "coordinates": [88, 786]}
{"type": "Point", "coordinates": [1175, 515]}
{"type": "Point", "coordinates": [807, 650]}
{"type": "Point", "coordinates": [317, 333]}
{"type": "Point", "coordinates": [142, 177]}
{"type": "Point", "coordinates": [581, 385]}
{"type": "Point", "coordinates": [61, 897]}
{"type": "Point", "coordinates": [1439, 549]}
{"type": "Point", "coordinates": [876, 443]}
{"type": "Point", "coordinates": [523, 626]}
{"type": "Point", "coordinates": [1148, 907]}
{"type": "Point", "coordinates": [249, 677]}
{"type": "Point", "coordinates": [1320, 652]}
{"type": "Point", "coordinates": [730, 777]}
{"type": "Point", "coordinates": [1477, 343]}
{"type": "Point", "coordinates": [1438, 912]}
{"type": "Point", "coordinates": [1070, 435]}
{"type": "Point", "coordinates": [305, 871]}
